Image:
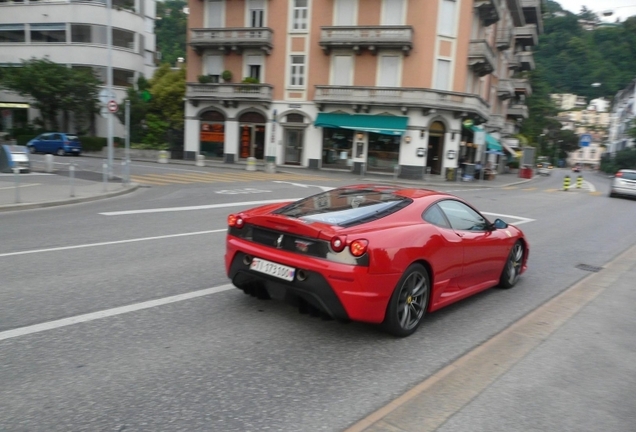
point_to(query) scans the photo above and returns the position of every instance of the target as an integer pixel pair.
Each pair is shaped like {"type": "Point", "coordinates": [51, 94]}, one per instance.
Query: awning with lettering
{"type": "Point", "coordinates": [491, 142]}
{"type": "Point", "coordinates": [381, 124]}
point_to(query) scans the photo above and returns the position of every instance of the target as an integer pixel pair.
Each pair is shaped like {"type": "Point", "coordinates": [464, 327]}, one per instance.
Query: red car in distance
{"type": "Point", "coordinates": [372, 253]}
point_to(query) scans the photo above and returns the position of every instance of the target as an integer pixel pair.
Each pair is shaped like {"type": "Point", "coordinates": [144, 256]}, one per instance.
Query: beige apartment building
{"type": "Point", "coordinates": [378, 85]}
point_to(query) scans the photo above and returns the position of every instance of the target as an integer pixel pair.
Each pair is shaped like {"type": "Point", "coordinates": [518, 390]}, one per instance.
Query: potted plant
{"type": "Point", "coordinates": [226, 75]}
{"type": "Point", "coordinates": [205, 79]}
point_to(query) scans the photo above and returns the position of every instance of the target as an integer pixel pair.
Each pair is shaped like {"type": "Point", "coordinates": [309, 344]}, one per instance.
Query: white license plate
{"type": "Point", "coordinates": [273, 269]}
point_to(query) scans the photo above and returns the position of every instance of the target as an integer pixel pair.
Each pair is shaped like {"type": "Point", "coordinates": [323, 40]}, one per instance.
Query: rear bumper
{"type": "Point", "coordinates": [342, 291]}
{"type": "Point", "coordinates": [623, 191]}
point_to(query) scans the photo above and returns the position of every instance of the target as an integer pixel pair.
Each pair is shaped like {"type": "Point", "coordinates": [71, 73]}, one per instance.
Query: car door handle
{"type": "Point", "coordinates": [460, 234]}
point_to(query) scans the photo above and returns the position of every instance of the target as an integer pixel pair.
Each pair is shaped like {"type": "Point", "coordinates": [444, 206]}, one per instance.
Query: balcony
{"type": "Point", "coordinates": [231, 39]}
{"type": "Point", "coordinates": [518, 110]}
{"type": "Point", "coordinates": [522, 87]}
{"type": "Point", "coordinates": [495, 123]}
{"type": "Point", "coordinates": [481, 57]}
{"type": "Point", "coordinates": [527, 35]}
{"type": "Point", "coordinates": [526, 60]}
{"type": "Point", "coordinates": [370, 37]}
{"type": "Point", "coordinates": [504, 38]}
{"type": "Point", "coordinates": [532, 13]}
{"type": "Point", "coordinates": [229, 94]}
{"type": "Point", "coordinates": [505, 89]}
{"type": "Point", "coordinates": [510, 128]}
{"type": "Point", "coordinates": [489, 11]}
{"type": "Point", "coordinates": [428, 100]}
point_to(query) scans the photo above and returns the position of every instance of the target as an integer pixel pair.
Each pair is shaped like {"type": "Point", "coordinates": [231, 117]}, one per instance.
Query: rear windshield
{"type": "Point", "coordinates": [628, 175]}
{"type": "Point", "coordinates": [72, 138]}
{"type": "Point", "coordinates": [346, 207]}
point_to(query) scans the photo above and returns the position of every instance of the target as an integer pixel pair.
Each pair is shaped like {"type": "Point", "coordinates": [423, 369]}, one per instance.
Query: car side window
{"type": "Point", "coordinates": [45, 137]}
{"type": "Point", "coordinates": [462, 217]}
{"type": "Point", "coordinates": [435, 216]}
{"type": "Point", "coordinates": [57, 137]}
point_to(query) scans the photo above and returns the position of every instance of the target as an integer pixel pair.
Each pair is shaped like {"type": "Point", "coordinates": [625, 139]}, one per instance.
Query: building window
{"type": "Point", "coordinates": [337, 147]}
{"type": "Point", "coordinates": [297, 71]}
{"type": "Point", "coordinates": [345, 13]}
{"type": "Point", "coordinates": [389, 71]}
{"type": "Point", "coordinates": [393, 12]}
{"type": "Point", "coordinates": [12, 33]}
{"type": "Point", "coordinates": [123, 78]}
{"type": "Point", "coordinates": [48, 33]}
{"type": "Point", "coordinates": [447, 16]}
{"type": "Point", "coordinates": [123, 39]}
{"type": "Point", "coordinates": [254, 67]}
{"type": "Point", "coordinates": [299, 15]}
{"type": "Point", "coordinates": [256, 13]}
{"type": "Point", "coordinates": [342, 70]}
{"type": "Point", "coordinates": [442, 77]}
{"type": "Point", "coordinates": [214, 13]}
{"type": "Point", "coordinates": [214, 67]}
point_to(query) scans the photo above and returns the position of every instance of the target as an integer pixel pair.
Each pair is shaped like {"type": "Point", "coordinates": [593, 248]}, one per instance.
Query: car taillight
{"type": "Point", "coordinates": [358, 247]}
{"type": "Point", "coordinates": [337, 244]}
{"type": "Point", "coordinates": [619, 174]}
{"type": "Point", "coordinates": [235, 221]}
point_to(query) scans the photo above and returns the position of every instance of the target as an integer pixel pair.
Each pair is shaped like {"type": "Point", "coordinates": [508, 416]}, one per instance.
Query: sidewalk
{"type": "Point", "coordinates": [569, 365]}
{"type": "Point", "coordinates": [40, 189]}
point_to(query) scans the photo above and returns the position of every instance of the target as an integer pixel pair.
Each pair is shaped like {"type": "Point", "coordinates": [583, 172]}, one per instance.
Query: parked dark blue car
{"type": "Point", "coordinates": [58, 143]}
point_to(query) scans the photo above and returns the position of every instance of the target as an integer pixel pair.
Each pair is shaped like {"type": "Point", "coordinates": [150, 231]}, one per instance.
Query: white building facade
{"type": "Point", "coordinates": [75, 34]}
{"type": "Point", "coordinates": [622, 119]}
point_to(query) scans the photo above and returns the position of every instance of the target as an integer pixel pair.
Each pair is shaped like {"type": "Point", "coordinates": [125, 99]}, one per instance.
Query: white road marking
{"type": "Point", "coordinates": [589, 185]}
{"type": "Point", "coordinates": [203, 207]}
{"type": "Point", "coordinates": [522, 220]}
{"type": "Point", "coordinates": [22, 186]}
{"type": "Point", "coordinates": [61, 248]}
{"type": "Point", "coordinates": [322, 188]}
{"type": "Point", "coordinates": [241, 191]}
{"type": "Point", "coordinates": [78, 319]}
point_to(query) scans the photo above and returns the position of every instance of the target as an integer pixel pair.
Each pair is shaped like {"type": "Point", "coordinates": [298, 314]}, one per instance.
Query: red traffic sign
{"type": "Point", "coordinates": [112, 106]}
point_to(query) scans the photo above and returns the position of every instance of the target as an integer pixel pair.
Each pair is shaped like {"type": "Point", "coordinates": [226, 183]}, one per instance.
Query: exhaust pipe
{"type": "Point", "coordinates": [247, 260]}
{"type": "Point", "coordinates": [301, 275]}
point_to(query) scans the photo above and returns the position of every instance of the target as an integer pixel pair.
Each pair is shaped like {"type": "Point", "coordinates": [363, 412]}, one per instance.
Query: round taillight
{"type": "Point", "coordinates": [235, 221]}
{"type": "Point", "coordinates": [358, 247]}
{"type": "Point", "coordinates": [337, 244]}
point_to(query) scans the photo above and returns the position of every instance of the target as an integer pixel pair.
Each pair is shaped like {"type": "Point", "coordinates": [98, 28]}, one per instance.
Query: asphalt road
{"type": "Point", "coordinates": [204, 356]}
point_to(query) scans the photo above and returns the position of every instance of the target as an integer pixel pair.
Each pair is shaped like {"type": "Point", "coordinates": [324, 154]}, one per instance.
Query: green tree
{"type": "Point", "coordinates": [55, 89]}
{"type": "Point", "coordinates": [139, 98]}
{"type": "Point", "coordinates": [170, 29]}
{"type": "Point", "coordinates": [166, 109]}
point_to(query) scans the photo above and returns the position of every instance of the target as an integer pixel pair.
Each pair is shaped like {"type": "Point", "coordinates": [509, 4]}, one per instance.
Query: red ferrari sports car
{"type": "Point", "coordinates": [372, 253]}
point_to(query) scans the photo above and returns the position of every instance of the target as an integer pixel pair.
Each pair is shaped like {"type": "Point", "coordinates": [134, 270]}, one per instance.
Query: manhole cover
{"type": "Point", "coordinates": [589, 268]}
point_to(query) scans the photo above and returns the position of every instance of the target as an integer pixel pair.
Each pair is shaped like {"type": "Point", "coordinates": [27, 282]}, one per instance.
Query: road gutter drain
{"type": "Point", "coordinates": [590, 268]}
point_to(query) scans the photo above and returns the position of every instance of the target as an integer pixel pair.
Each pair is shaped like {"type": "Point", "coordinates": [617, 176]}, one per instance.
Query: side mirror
{"type": "Point", "coordinates": [499, 224]}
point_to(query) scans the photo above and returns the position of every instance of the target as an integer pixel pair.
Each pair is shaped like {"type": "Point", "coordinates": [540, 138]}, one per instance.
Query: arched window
{"type": "Point", "coordinates": [252, 117]}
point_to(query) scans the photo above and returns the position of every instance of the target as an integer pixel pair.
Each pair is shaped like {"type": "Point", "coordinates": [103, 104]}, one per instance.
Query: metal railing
{"type": "Point", "coordinates": [366, 34]}
{"type": "Point", "coordinates": [231, 35]}
{"type": "Point", "coordinates": [257, 92]}
{"type": "Point", "coordinates": [481, 56]}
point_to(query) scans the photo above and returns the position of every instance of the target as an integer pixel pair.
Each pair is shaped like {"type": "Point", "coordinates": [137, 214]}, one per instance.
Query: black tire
{"type": "Point", "coordinates": [512, 269]}
{"type": "Point", "coordinates": [60, 152]}
{"type": "Point", "coordinates": [612, 195]}
{"type": "Point", "coordinates": [409, 302]}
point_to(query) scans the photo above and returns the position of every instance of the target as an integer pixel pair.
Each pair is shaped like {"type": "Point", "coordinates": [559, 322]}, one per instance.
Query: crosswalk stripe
{"type": "Point", "coordinates": [164, 178]}
{"type": "Point", "coordinates": [143, 180]}
{"type": "Point", "coordinates": [234, 177]}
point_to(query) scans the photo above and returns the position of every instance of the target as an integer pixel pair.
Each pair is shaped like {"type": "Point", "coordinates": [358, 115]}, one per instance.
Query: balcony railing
{"type": "Point", "coordinates": [229, 94]}
{"type": "Point", "coordinates": [504, 38]}
{"type": "Point", "coordinates": [526, 60]}
{"type": "Point", "coordinates": [370, 37]}
{"type": "Point", "coordinates": [481, 57]}
{"type": "Point", "coordinates": [510, 128]}
{"type": "Point", "coordinates": [505, 89]}
{"type": "Point", "coordinates": [526, 35]}
{"type": "Point", "coordinates": [232, 39]}
{"type": "Point", "coordinates": [495, 123]}
{"type": "Point", "coordinates": [522, 86]}
{"type": "Point", "coordinates": [518, 110]}
{"type": "Point", "coordinates": [403, 97]}
{"type": "Point", "coordinates": [532, 13]}
{"type": "Point", "coordinates": [489, 11]}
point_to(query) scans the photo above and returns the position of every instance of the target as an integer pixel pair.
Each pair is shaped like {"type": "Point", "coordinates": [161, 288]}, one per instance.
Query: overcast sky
{"type": "Point", "coordinates": [617, 6]}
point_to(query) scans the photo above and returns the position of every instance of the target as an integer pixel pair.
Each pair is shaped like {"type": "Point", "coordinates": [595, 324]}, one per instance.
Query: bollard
{"type": "Point", "coordinates": [48, 163]}
{"type": "Point", "coordinates": [105, 175]}
{"type": "Point", "coordinates": [71, 177]}
{"type": "Point", "coordinates": [200, 160]}
{"type": "Point", "coordinates": [270, 167]}
{"type": "Point", "coordinates": [163, 156]}
{"type": "Point", "coordinates": [363, 169]}
{"type": "Point", "coordinates": [251, 164]}
{"type": "Point", "coordinates": [579, 182]}
{"type": "Point", "coordinates": [566, 183]}
{"type": "Point", "coordinates": [16, 173]}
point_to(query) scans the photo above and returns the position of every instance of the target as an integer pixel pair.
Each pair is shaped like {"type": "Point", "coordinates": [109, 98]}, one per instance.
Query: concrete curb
{"type": "Point", "coordinates": [28, 206]}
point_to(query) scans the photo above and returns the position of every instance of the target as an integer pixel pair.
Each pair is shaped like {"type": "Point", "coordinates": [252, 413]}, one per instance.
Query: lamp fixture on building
{"type": "Point", "coordinates": [359, 136]}
{"type": "Point", "coordinates": [451, 154]}
{"type": "Point", "coordinates": [407, 139]}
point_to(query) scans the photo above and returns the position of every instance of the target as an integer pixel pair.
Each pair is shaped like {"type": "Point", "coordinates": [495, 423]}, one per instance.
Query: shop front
{"type": "Point", "coordinates": [212, 134]}
{"type": "Point", "coordinates": [350, 140]}
{"type": "Point", "coordinates": [252, 135]}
